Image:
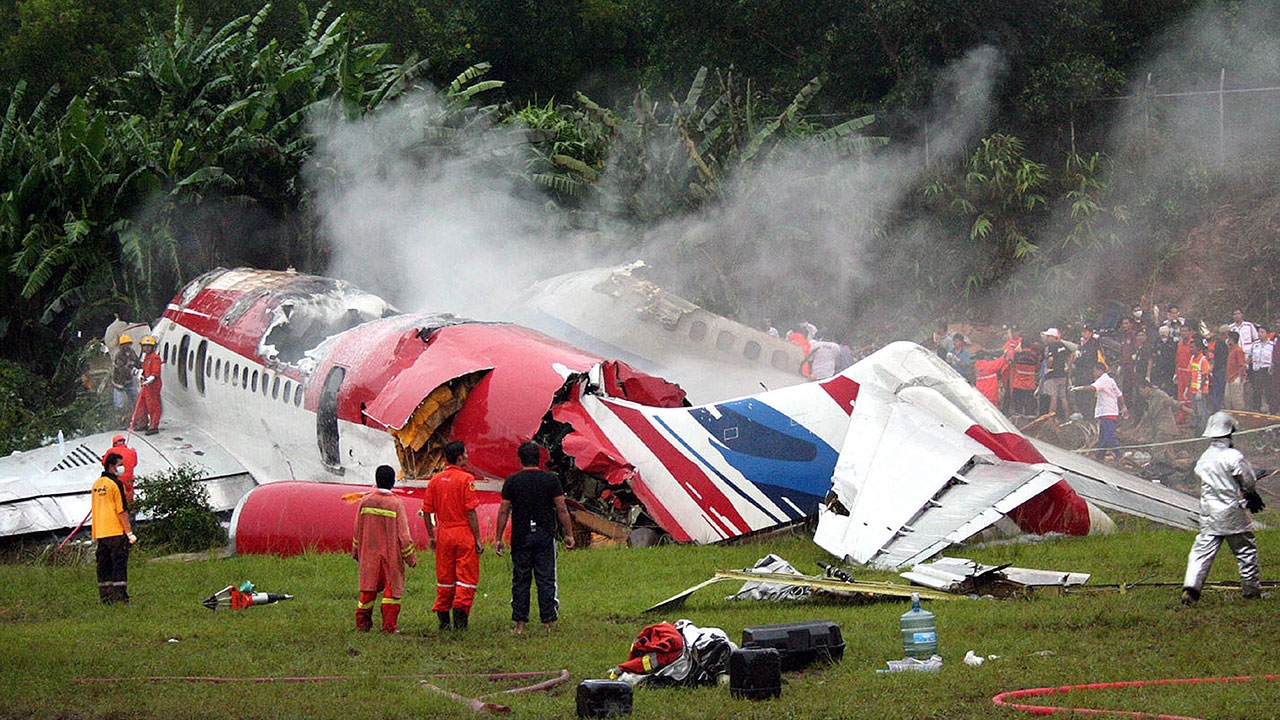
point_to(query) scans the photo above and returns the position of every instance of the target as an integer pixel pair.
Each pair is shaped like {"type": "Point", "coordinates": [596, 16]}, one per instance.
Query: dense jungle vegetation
{"type": "Point", "coordinates": [973, 153]}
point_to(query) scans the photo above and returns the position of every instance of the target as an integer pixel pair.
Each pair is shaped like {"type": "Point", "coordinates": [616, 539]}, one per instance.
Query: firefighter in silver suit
{"type": "Point", "coordinates": [1225, 478]}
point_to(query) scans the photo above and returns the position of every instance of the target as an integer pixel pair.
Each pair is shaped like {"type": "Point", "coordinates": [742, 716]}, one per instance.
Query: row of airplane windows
{"type": "Point", "coordinates": [725, 341]}
{"type": "Point", "coordinates": [242, 377]}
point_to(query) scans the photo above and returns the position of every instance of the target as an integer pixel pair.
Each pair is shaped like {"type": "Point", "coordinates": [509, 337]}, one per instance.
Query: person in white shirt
{"type": "Point", "coordinates": [1248, 331]}
{"type": "Point", "coordinates": [822, 358]}
{"type": "Point", "coordinates": [1108, 409]}
{"type": "Point", "coordinates": [1260, 369]}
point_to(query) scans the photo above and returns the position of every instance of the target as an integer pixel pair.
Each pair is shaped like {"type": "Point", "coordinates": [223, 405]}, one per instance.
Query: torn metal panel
{"type": "Point", "coordinates": [1115, 489]}
{"type": "Point", "coordinates": [709, 473]}
{"type": "Point", "coordinates": [958, 575]}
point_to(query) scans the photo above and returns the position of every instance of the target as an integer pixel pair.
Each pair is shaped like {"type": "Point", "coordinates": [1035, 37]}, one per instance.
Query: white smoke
{"type": "Point", "coordinates": [431, 226]}
{"type": "Point", "coordinates": [439, 227]}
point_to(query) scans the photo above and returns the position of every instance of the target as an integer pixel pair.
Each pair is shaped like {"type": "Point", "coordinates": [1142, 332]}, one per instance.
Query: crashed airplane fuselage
{"type": "Point", "coordinates": [297, 377]}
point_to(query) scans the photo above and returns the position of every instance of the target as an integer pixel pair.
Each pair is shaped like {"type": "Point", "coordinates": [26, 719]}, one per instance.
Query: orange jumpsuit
{"type": "Point", "coordinates": [150, 393]}
{"type": "Point", "coordinates": [129, 457]}
{"type": "Point", "coordinates": [382, 545]}
{"type": "Point", "coordinates": [987, 377]}
{"type": "Point", "coordinates": [450, 495]}
{"type": "Point", "coordinates": [1182, 370]}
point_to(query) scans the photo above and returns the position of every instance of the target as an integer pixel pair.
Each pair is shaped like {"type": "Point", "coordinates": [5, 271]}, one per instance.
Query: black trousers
{"type": "Point", "coordinates": [534, 557]}
{"type": "Point", "coordinates": [113, 569]}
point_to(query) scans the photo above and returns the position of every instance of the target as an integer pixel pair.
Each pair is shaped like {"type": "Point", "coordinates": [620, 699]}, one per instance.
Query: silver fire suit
{"type": "Point", "coordinates": [1224, 475]}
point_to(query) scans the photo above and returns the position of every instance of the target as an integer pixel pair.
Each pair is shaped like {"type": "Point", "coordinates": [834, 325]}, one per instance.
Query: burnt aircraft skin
{"type": "Point", "coordinates": [327, 413]}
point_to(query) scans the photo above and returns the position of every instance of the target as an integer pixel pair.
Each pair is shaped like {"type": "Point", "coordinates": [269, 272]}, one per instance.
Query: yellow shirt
{"type": "Point", "coordinates": [107, 507]}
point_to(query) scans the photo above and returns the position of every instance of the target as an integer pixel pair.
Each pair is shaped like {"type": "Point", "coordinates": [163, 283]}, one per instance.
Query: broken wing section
{"type": "Point", "coordinates": [1114, 489]}
{"type": "Point", "coordinates": [908, 484]}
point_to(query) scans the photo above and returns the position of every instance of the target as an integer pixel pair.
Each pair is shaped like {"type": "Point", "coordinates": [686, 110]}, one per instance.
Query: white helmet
{"type": "Point", "coordinates": [1219, 425]}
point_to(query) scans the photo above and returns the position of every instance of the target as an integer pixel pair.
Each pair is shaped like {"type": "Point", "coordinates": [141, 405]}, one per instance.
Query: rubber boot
{"type": "Point", "coordinates": [390, 616]}
{"type": "Point", "coordinates": [460, 618]}
{"type": "Point", "coordinates": [443, 616]}
{"type": "Point", "coordinates": [364, 619]}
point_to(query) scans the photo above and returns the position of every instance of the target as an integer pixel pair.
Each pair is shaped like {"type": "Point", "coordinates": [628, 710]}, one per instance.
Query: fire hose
{"type": "Point", "coordinates": [478, 704]}
{"type": "Point", "coordinates": [1004, 699]}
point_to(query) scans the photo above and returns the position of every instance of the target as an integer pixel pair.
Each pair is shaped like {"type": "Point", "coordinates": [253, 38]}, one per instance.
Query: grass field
{"type": "Point", "coordinates": [54, 632]}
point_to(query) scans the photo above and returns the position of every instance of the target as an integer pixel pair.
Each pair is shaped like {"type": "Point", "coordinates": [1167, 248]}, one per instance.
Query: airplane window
{"type": "Point", "coordinates": [697, 330]}
{"type": "Point", "coordinates": [265, 379]}
{"type": "Point", "coordinates": [288, 387]}
{"type": "Point", "coordinates": [253, 384]}
{"type": "Point", "coordinates": [751, 350]}
{"type": "Point", "coordinates": [217, 369]}
{"type": "Point", "coordinates": [202, 364]}
{"type": "Point", "coordinates": [781, 360]}
{"type": "Point", "coordinates": [235, 376]}
{"type": "Point", "coordinates": [208, 367]}
{"type": "Point", "coordinates": [183, 359]}
{"type": "Point", "coordinates": [724, 341]}
{"type": "Point", "coordinates": [297, 396]}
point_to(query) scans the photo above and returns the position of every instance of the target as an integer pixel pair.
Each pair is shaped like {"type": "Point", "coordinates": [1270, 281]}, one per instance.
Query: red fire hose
{"type": "Point", "coordinates": [1003, 699]}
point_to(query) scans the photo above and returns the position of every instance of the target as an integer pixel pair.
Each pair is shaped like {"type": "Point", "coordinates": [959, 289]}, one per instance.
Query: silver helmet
{"type": "Point", "coordinates": [1219, 424]}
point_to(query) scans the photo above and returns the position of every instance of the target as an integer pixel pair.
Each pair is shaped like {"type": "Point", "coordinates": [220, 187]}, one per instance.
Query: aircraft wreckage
{"type": "Point", "coordinates": [287, 389]}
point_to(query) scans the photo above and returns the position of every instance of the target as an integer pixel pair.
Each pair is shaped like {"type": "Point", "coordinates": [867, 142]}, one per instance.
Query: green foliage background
{"type": "Point", "coordinates": [177, 511]}
{"type": "Point", "coordinates": [143, 142]}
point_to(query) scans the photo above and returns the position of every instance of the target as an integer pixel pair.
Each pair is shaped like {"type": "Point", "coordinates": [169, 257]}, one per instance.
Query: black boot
{"type": "Point", "coordinates": [443, 616]}
{"type": "Point", "coordinates": [459, 619]}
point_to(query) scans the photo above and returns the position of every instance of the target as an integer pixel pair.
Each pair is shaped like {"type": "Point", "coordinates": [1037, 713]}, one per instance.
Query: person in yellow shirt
{"type": "Point", "coordinates": [112, 531]}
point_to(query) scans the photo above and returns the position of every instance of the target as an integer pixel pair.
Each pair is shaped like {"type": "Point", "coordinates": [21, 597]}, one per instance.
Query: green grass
{"type": "Point", "coordinates": [54, 632]}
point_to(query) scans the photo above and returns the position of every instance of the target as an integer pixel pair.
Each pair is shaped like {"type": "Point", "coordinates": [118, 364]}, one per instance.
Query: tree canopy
{"type": "Point", "coordinates": [145, 141]}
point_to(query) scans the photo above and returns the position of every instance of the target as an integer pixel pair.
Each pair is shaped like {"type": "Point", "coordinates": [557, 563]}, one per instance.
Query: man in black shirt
{"type": "Point", "coordinates": [534, 499]}
{"type": "Point", "coordinates": [1057, 358]}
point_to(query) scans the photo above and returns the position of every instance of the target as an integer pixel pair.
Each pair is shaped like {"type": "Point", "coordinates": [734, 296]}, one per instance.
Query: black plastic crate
{"type": "Point", "coordinates": [799, 644]}
{"type": "Point", "coordinates": [755, 673]}
{"type": "Point", "coordinates": [603, 698]}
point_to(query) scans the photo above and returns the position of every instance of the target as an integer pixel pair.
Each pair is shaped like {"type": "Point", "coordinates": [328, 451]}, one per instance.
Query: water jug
{"type": "Point", "coordinates": [919, 634]}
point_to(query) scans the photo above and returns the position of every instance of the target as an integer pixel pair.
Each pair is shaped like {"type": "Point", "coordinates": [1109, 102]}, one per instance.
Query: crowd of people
{"type": "Point", "coordinates": [1173, 372]}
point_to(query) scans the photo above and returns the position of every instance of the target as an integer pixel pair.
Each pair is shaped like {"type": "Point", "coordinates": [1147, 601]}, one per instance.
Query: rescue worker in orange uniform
{"type": "Point", "coordinates": [129, 457]}
{"type": "Point", "coordinates": [1199, 382]}
{"type": "Point", "coordinates": [1182, 369]}
{"type": "Point", "coordinates": [986, 372]}
{"type": "Point", "coordinates": [150, 394]}
{"type": "Point", "coordinates": [113, 531]}
{"type": "Point", "coordinates": [382, 545]}
{"type": "Point", "coordinates": [451, 497]}
{"type": "Point", "coordinates": [1026, 367]}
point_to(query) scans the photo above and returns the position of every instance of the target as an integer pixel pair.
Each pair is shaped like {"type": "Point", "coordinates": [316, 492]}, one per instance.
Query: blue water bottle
{"type": "Point", "coordinates": [919, 633]}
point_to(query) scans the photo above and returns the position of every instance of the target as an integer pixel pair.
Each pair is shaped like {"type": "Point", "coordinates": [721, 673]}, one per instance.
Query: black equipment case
{"type": "Point", "coordinates": [603, 698]}
{"type": "Point", "coordinates": [799, 643]}
{"type": "Point", "coordinates": [755, 673]}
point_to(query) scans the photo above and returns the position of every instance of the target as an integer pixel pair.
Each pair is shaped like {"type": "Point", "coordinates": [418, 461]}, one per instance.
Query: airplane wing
{"type": "Point", "coordinates": [909, 484]}
{"type": "Point", "coordinates": [47, 489]}
{"type": "Point", "coordinates": [1115, 489]}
